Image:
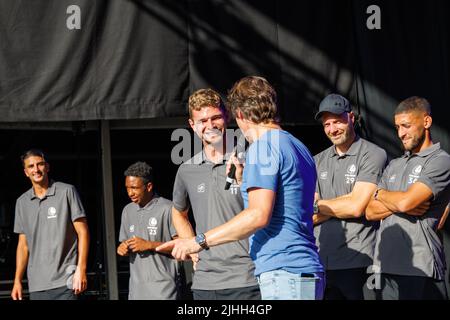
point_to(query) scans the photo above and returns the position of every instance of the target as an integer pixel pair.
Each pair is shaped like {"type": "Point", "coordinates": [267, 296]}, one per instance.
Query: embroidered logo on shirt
{"type": "Point", "coordinates": [51, 213]}
{"type": "Point", "coordinates": [132, 228]}
{"type": "Point", "coordinates": [415, 174]}
{"type": "Point", "coordinates": [350, 176]}
{"type": "Point", "coordinates": [392, 178]}
{"type": "Point", "coordinates": [201, 188]}
{"type": "Point", "coordinates": [152, 226]}
{"type": "Point", "coordinates": [324, 175]}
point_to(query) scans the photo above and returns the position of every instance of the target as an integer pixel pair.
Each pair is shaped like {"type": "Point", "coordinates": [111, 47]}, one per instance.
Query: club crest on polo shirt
{"type": "Point", "coordinates": [323, 175]}
{"type": "Point", "coordinates": [132, 228]}
{"type": "Point", "coordinates": [392, 178]}
{"type": "Point", "coordinates": [51, 213]}
{"type": "Point", "coordinates": [201, 188]}
{"type": "Point", "coordinates": [152, 226]}
{"type": "Point", "coordinates": [351, 174]}
{"type": "Point", "coordinates": [415, 174]}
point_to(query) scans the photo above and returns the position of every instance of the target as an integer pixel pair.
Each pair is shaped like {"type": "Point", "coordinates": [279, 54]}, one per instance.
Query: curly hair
{"type": "Point", "coordinates": [255, 98]}
{"type": "Point", "coordinates": [205, 98]}
{"type": "Point", "coordinates": [140, 169]}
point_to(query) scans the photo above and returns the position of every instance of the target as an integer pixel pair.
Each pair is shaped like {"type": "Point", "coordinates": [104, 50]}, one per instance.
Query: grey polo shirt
{"type": "Point", "coordinates": [52, 240]}
{"type": "Point", "coordinates": [408, 245]}
{"type": "Point", "coordinates": [153, 275]}
{"type": "Point", "coordinates": [347, 243]}
{"type": "Point", "coordinates": [201, 183]}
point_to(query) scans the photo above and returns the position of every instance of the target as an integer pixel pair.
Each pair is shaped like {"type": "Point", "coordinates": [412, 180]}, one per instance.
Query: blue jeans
{"type": "Point", "coordinates": [283, 285]}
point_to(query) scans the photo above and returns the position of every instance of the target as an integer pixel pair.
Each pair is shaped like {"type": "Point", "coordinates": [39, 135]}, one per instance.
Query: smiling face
{"type": "Point", "coordinates": [411, 129]}
{"type": "Point", "coordinates": [36, 169]}
{"type": "Point", "coordinates": [209, 124]}
{"type": "Point", "coordinates": [338, 128]}
{"type": "Point", "coordinates": [137, 191]}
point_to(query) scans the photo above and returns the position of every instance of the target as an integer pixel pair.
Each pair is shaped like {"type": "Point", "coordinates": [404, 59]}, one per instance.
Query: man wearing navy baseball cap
{"type": "Point", "coordinates": [347, 176]}
{"type": "Point", "coordinates": [333, 103]}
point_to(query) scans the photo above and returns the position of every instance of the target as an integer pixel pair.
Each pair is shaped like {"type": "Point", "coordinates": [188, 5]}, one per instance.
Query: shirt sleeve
{"type": "Point", "coordinates": [76, 207]}
{"type": "Point", "coordinates": [317, 172]}
{"type": "Point", "coordinates": [262, 166]}
{"type": "Point", "coordinates": [18, 223]}
{"type": "Point", "coordinates": [123, 235]}
{"type": "Point", "coordinates": [372, 165]}
{"type": "Point", "coordinates": [180, 195]}
{"type": "Point", "coordinates": [436, 174]}
{"type": "Point", "coordinates": [171, 228]}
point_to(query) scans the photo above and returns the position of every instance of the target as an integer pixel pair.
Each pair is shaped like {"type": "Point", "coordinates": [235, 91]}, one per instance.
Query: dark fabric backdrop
{"type": "Point", "coordinates": [136, 59]}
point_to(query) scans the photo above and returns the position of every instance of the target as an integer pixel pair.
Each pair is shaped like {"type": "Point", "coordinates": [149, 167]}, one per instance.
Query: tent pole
{"type": "Point", "coordinates": [108, 214]}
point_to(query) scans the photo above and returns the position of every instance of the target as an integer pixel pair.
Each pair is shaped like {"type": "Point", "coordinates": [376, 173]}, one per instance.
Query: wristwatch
{"type": "Point", "coordinates": [201, 240]}
{"type": "Point", "coordinates": [316, 206]}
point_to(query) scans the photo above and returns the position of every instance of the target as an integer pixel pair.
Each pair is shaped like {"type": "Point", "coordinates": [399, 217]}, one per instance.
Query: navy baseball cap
{"type": "Point", "coordinates": [333, 103]}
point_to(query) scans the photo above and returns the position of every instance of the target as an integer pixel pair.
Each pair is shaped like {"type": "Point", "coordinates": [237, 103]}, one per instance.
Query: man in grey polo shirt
{"type": "Point", "coordinates": [223, 272]}
{"type": "Point", "coordinates": [53, 236]}
{"type": "Point", "coordinates": [146, 223]}
{"type": "Point", "coordinates": [410, 202]}
{"type": "Point", "coordinates": [348, 173]}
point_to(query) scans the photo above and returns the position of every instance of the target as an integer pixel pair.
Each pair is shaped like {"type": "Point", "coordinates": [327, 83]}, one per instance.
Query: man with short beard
{"type": "Point", "coordinates": [410, 201]}
{"type": "Point", "coordinates": [225, 272]}
{"type": "Point", "coordinates": [348, 173]}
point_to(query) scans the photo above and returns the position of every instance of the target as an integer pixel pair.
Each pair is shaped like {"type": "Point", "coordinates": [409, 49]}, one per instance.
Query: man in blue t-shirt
{"type": "Point", "coordinates": [278, 185]}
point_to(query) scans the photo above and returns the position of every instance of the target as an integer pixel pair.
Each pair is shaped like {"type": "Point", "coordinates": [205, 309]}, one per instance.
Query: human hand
{"type": "Point", "coordinates": [16, 293]}
{"type": "Point", "coordinates": [181, 248]}
{"type": "Point", "coordinates": [239, 168]}
{"type": "Point", "coordinates": [122, 249]}
{"type": "Point", "coordinates": [79, 282]}
{"type": "Point", "coordinates": [195, 259]}
{"type": "Point", "coordinates": [137, 244]}
{"type": "Point", "coordinates": [419, 210]}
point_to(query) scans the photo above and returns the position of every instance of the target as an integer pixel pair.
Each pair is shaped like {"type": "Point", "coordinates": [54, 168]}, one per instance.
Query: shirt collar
{"type": "Point", "coordinates": [150, 203]}
{"type": "Point", "coordinates": [426, 152]}
{"type": "Point", "coordinates": [352, 151]}
{"type": "Point", "coordinates": [201, 158]}
{"type": "Point", "coordinates": [50, 191]}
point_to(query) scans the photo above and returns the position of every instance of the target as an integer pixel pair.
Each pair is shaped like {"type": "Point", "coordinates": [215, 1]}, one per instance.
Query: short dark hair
{"type": "Point", "coordinates": [413, 104]}
{"type": "Point", "coordinates": [31, 153]}
{"type": "Point", "coordinates": [140, 169]}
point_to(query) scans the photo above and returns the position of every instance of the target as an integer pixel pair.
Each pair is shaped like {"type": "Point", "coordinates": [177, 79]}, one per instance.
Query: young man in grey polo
{"type": "Point", "coordinates": [146, 223]}
{"type": "Point", "coordinates": [410, 202]}
{"type": "Point", "coordinates": [53, 236]}
{"type": "Point", "coordinates": [223, 272]}
{"type": "Point", "coordinates": [348, 173]}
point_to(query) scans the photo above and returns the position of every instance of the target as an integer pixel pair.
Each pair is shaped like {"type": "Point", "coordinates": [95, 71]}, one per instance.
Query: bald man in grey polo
{"type": "Point", "coordinates": [409, 245]}
{"type": "Point", "coordinates": [201, 183]}
{"type": "Point", "coordinates": [153, 276]}
{"type": "Point", "coordinates": [346, 244]}
{"type": "Point", "coordinates": [51, 237]}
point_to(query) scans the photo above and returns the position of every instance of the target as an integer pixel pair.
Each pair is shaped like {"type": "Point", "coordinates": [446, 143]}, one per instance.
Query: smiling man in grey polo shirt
{"type": "Point", "coordinates": [223, 272]}
{"type": "Point", "coordinates": [410, 201]}
{"type": "Point", "coordinates": [53, 236]}
{"type": "Point", "coordinates": [348, 173]}
{"type": "Point", "coordinates": [146, 223]}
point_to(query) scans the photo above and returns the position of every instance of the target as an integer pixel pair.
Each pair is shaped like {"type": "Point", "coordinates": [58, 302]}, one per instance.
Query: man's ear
{"type": "Point", "coordinates": [149, 187]}
{"type": "Point", "coordinates": [191, 124]}
{"type": "Point", "coordinates": [427, 122]}
{"type": "Point", "coordinates": [239, 114]}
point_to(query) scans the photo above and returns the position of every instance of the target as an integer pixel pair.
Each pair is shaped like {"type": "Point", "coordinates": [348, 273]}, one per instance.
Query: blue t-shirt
{"type": "Point", "coordinates": [278, 161]}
